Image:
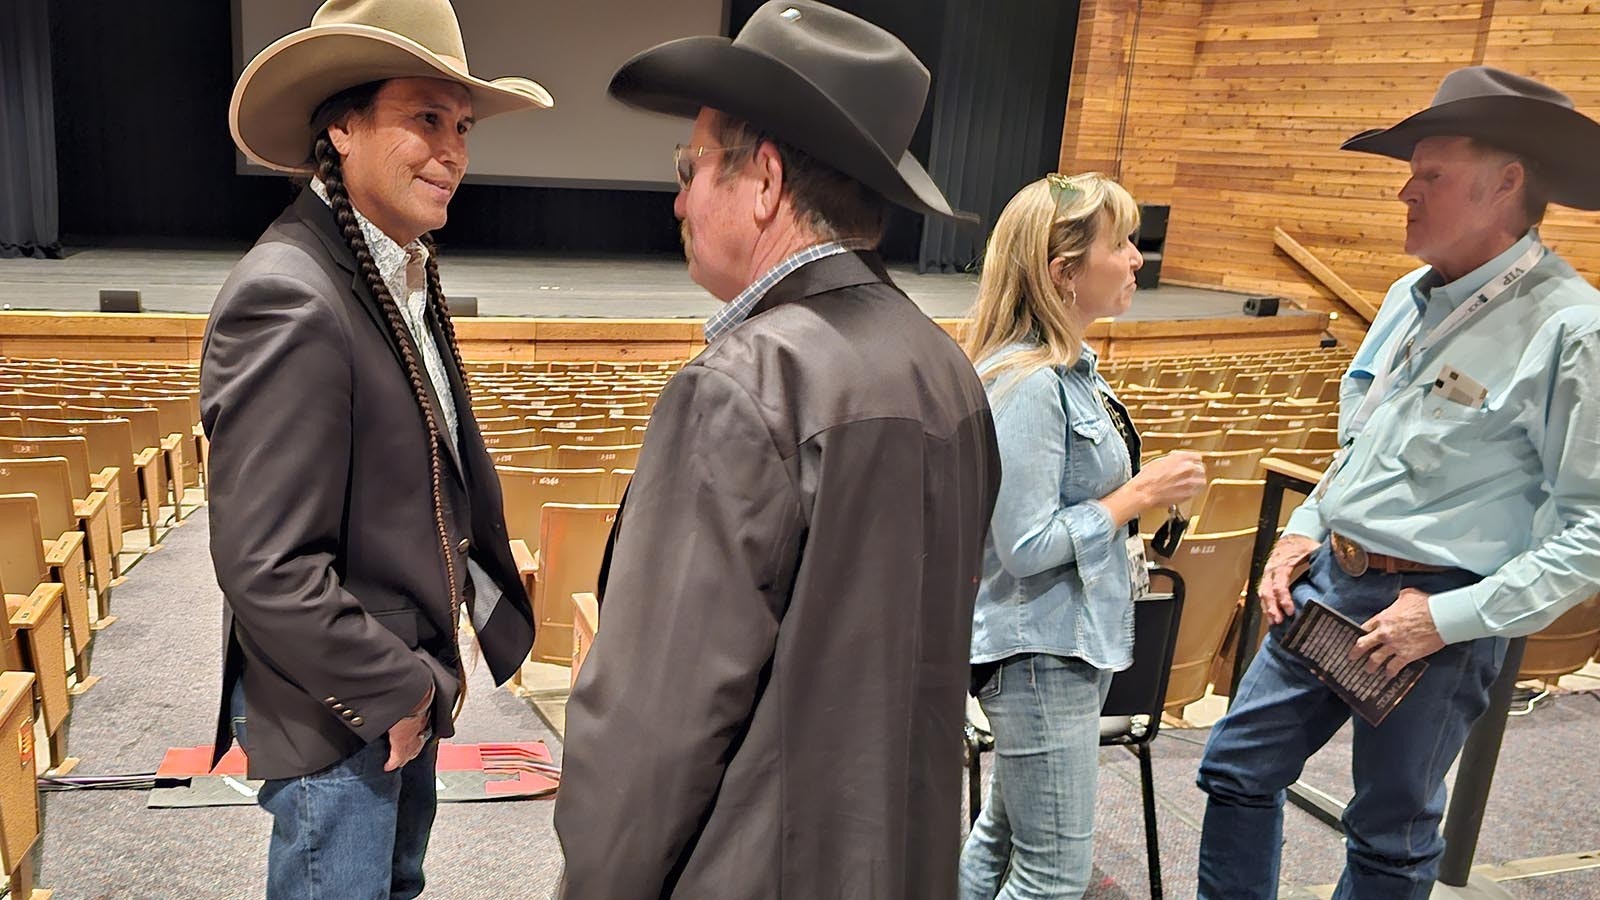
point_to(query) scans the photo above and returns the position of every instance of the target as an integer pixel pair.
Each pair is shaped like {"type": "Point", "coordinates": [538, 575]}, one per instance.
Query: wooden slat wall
{"type": "Point", "coordinates": [1238, 108]}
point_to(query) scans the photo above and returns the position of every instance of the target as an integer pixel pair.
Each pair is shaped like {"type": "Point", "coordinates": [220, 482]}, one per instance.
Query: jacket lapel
{"type": "Point", "coordinates": [317, 214]}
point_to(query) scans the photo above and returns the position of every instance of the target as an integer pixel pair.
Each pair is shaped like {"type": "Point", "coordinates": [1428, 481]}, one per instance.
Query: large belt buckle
{"type": "Point", "coordinates": [1350, 556]}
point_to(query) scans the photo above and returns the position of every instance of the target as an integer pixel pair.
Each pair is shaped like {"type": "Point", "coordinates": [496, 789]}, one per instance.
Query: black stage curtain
{"type": "Point", "coordinates": [29, 214]}
{"type": "Point", "coordinates": [1000, 99]}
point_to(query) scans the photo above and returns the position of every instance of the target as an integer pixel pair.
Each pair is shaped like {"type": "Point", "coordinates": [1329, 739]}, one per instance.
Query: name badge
{"type": "Point", "coordinates": [1138, 568]}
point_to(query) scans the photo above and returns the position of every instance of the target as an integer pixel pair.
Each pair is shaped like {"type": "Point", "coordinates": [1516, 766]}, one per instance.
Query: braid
{"type": "Point", "coordinates": [441, 311]}
{"type": "Point", "coordinates": [330, 171]}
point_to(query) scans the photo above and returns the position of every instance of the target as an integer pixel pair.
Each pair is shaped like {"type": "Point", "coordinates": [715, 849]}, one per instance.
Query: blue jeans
{"type": "Point", "coordinates": [1034, 837]}
{"type": "Point", "coordinates": [1283, 714]}
{"type": "Point", "coordinates": [351, 831]}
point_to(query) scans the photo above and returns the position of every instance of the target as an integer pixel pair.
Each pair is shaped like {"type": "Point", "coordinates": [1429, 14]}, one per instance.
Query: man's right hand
{"type": "Point", "coordinates": [406, 735]}
{"type": "Point", "coordinates": [1290, 551]}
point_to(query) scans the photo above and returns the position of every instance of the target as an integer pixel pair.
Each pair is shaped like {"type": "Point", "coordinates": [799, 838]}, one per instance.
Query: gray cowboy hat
{"type": "Point", "coordinates": [1508, 111]}
{"type": "Point", "coordinates": [836, 87]}
{"type": "Point", "coordinates": [352, 42]}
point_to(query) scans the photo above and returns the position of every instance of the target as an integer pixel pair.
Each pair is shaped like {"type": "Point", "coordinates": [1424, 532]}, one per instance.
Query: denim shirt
{"type": "Point", "coordinates": [1055, 566]}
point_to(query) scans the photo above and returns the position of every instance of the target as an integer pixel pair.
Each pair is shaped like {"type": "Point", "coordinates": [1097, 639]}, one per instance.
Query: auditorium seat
{"type": "Point", "coordinates": [520, 437]}
{"type": "Point", "coordinates": [1251, 439]}
{"type": "Point", "coordinates": [541, 456]}
{"type": "Point", "coordinates": [620, 478]}
{"type": "Point", "coordinates": [622, 456]}
{"type": "Point", "coordinates": [19, 792]}
{"type": "Point", "coordinates": [1214, 567]}
{"type": "Point", "coordinates": [585, 437]}
{"type": "Point", "coordinates": [86, 484]}
{"type": "Point", "coordinates": [585, 623]}
{"type": "Point", "coordinates": [571, 542]}
{"type": "Point", "coordinates": [38, 628]}
{"type": "Point", "coordinates": [527, 490]}
{"type": "Point", "coordinates": [10, 426]}
{"type": "Point", "coordinates": [1565, 645]}
{"type": "Point", "coordinates": [111, 446]}
{"type": "Point", "coordinates": [145, 426]}
{"type": "Point", "coordinates": [62, 548]}
{"type": "Point", "coordinates": [1230, 504]}
{"type": "Point", "coordinates": [1321, 439]}
{"type": "Point", "coordinates": [1231, 463]}
{"type": "Point", "coordinates": [1317, 460]}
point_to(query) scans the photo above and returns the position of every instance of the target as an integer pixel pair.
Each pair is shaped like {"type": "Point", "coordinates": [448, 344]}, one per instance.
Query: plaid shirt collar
{"type": "Point", "coordinates": [738, 309]}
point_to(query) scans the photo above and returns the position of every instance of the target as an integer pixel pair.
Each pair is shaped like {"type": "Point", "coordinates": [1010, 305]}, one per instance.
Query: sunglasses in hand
{"type": "Point", "coordinates": [1166, 539]}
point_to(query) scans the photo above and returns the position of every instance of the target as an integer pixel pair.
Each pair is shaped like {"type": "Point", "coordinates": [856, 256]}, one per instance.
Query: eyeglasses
{"type": "Point", "coordinates": [1165, 541]}
{"type": "Point", "coordinates": [684, 155]}
{"type": "Point", "coordinates": [1062, 191]}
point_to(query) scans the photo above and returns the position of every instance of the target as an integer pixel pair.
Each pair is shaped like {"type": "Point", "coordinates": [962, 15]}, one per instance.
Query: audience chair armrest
{"type": "Point", "coordinates": [527, 564]}
{"type": "Point", "coordinates": [172, 442]}
{"type": "Point", "coordinates": [24, 611]}
{"type": "Point", "coordinates": [105, 478]}
{"type": "Point", "coordinates": [90, 506]}
{"type": "Point", "coordinates": [61, 551]}
{"type": "Point", "coordinates": [144, 457]}
{"type": "Point", "coordinates": [586, 611]}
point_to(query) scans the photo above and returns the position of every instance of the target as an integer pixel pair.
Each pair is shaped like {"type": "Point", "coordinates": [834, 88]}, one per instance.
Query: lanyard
{"type": "Point", "coordinates": [1384, 374]}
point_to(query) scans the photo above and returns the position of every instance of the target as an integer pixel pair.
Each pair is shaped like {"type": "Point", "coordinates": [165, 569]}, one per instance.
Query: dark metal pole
{"type": "Point", "coordinates": [1475, 775]}
{"type": "Point", "coordinates": [1266, 534]}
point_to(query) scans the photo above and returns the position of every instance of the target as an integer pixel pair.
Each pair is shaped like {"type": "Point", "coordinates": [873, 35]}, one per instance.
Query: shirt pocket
{"type": "Point", "coordinates": [1090, 458]}
{"type": "Point", "coordinates": [1440, 437]}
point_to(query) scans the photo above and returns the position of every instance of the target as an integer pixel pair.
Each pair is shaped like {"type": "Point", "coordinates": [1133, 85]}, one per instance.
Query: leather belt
{"type": "Point", "coordinates": [1357, 560]}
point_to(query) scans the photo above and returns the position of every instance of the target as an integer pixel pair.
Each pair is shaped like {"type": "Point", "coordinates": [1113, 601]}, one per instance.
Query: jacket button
{"type": "Point", "coordinates": [332, 701]}
{"type": "Point", "coordinates": [349, 713]}
{"type": "Point", "coordinates": [462, 547]}
{"type": "Point", "coordinates": [338, 706]}
{"type": "Point", "coordinates": [358, 721]}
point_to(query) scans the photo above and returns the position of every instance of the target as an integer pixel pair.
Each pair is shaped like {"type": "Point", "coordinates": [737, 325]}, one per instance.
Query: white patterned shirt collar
{"type": "Point", "coordinates": [738, 309]}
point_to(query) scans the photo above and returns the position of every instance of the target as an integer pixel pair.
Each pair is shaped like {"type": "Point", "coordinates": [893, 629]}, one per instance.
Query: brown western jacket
{"type": "Point", "coordinates": [774, 704]}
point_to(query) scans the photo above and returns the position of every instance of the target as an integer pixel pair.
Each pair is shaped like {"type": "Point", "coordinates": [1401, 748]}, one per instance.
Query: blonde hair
{"type": "Point", "coordinates": [1017, 299]}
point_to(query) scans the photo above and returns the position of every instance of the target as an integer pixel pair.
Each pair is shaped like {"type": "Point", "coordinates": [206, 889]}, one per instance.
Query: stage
{"type": "Point", "coordinates": [569, 306]}
{"type": "Point", "coordinates": [634, 287]}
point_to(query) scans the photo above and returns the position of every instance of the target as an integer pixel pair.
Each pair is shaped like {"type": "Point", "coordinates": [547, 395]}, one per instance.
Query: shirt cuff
{"type": "Point", "coordinates": [1455, 615]}
{"type": "Point", "coordinates": [1307, 522]}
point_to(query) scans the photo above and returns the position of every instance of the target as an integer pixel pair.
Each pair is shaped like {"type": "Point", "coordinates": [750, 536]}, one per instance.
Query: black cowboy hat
{"type": "Point", "coordinates": [834, 86]}
{"type": "Point", "coordinates": [1511, 112]}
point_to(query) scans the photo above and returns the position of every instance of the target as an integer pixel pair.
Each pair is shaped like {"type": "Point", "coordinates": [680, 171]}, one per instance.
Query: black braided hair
{"type": "Point", "coordinates": [330, 171]}
{"type": "Point", "coordinates": [441, 311]}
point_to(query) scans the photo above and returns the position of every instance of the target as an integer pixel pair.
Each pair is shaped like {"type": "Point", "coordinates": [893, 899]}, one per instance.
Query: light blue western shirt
{"type": "Point", "coordinates": [1055, 566]}
{"type": "Point", "coordinates": [1508, 487]}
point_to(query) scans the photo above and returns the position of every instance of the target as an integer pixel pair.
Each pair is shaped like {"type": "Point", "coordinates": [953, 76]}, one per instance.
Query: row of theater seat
{"type": "Point", "coordinates": [90, 453]}
{"type": "Point", "coordinates": [565, 438]}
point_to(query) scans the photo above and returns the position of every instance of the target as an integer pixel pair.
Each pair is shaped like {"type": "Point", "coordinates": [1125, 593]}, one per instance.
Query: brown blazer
{"type": "Point", "coordinates": [774, 704]}
{"type": "Point", "coordinates": [337, 611]}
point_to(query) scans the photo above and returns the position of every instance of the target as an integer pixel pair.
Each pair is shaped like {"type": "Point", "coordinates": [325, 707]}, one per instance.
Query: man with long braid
{"type": "Point", "coordinates": [354, 510]}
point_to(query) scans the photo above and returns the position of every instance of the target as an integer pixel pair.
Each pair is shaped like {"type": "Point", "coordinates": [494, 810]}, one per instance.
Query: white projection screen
{"type": "Point", "coordinates": [569, 46]}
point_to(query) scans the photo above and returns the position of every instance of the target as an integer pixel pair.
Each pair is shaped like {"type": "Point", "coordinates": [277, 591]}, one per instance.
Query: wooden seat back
{"type": "Point", "coordinates": [571, 543]}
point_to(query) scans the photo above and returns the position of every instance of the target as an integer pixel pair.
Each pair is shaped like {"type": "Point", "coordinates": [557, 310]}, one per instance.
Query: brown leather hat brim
{"type": "Point", "coordinates": [682, 76]}
{"type": "Point", "coordinates": [1564, 143]}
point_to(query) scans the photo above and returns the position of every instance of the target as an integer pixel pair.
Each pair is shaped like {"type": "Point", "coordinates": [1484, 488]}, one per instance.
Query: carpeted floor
{"type": "Point", "coordinates": [159, 664]}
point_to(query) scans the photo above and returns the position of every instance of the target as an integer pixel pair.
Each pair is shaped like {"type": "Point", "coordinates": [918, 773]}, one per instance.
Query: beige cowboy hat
{"type": "Point", "coordinates": [352, 42]}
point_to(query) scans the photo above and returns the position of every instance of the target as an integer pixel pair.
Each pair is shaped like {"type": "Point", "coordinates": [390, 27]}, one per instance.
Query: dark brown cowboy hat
{"type": "Point", "coordinates": [1511, 112]}
{"type": "Point", "coordinates": [834, 86]}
